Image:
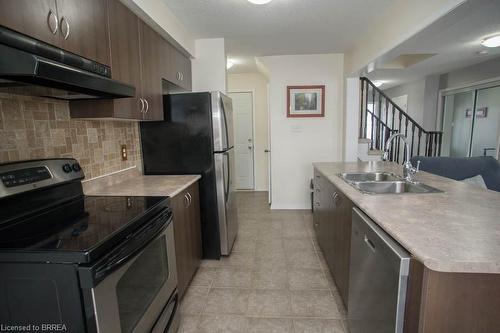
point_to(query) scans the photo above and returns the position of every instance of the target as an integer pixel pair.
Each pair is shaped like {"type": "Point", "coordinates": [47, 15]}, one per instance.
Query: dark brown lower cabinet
{"type": "Point", "coordinates": [440, 302]}
{"type": "Point", "coordinates": [187, 234]}
{"type": "Point", "coordinates": [332, 221]}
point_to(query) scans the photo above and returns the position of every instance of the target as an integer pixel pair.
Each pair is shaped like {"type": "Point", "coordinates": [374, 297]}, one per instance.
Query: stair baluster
{"type": "Point", "coordinates": [373, 101]}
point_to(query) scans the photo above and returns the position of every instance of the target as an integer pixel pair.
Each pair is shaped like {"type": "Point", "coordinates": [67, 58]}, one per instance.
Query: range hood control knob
{"type": "Point", "coordinates": [67, 168]}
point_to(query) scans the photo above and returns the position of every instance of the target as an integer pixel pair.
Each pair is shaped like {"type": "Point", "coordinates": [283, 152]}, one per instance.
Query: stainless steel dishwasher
{"type": "Point", "coordinates": [378, 279]}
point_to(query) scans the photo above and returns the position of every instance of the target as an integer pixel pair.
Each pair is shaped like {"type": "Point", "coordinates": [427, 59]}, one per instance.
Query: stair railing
{"type": "Point", "coordinates": [380, 117]}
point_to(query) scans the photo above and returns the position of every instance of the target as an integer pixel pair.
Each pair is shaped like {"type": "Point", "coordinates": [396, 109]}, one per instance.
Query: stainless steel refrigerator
{"type": "Point", "coordinates": [196, 137]}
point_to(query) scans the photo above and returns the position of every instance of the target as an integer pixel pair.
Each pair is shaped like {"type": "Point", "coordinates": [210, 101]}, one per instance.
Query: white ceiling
{"type": "Point", "coordinates": [455, 38]}
{"type": "Point", "coordinates": [280, 27]}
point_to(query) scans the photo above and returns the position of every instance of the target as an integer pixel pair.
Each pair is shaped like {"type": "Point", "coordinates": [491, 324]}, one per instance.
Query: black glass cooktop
{"type": "Point", "coordinates": [78, 230]}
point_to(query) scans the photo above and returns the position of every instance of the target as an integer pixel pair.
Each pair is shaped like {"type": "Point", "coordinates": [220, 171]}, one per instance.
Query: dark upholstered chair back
{"type": "Point", "coordinates": [460, 168]}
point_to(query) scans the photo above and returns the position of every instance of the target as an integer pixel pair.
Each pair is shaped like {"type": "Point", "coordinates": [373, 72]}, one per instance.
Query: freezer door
{"type": "Point", "coordinates": [226, 201]}
{"type": "Point", "coordinates": [222, 120]}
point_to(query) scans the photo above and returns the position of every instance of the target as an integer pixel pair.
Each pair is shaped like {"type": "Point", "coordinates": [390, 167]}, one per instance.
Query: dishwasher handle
{"type": "Point", "coordinates": [379, 242]}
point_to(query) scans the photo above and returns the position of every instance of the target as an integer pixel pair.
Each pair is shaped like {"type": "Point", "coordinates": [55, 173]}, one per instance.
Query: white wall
{"type": "Point", "coordinates": [156, 13]}
{"type": "Point", "coordinates": [257, 84]}
{"type": "Point", "coordinates": [351, 119]}
{"type": "Point", "coordinates": [422, 102]}
{"type": "Point", "coordinates": [415, 103]}
{"type": "Point", "coordinates": [472, 74]}
{"type": "Point", "coordinates": [209, 65]}
{"type": "Point", "coordinates": [298, 142]}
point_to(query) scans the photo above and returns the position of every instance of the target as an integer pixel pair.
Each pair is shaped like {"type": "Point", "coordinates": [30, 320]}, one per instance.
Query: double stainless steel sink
{"type": "Point", "coordinates": [384, 183]}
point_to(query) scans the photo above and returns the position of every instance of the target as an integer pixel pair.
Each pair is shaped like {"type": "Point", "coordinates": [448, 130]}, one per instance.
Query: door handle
{"type": "Point", "coordinates": [142, 105]}
{"type": "Point", "coordinates": [267, 151]}
{"type": "Point", "coordinates": [66, 24]}
{"type": "Point", "coordinates": [53, 22]}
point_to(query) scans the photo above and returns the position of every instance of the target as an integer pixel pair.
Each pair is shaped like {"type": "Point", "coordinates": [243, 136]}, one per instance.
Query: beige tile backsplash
{"type": "Point", "coordinates": [32, 127]}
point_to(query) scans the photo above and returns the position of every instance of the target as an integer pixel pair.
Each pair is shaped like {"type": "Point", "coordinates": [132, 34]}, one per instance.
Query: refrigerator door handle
{"type": "Point", "coordinates": [225, 122]}
{"type": "Point", "coordinates": [228, 182]}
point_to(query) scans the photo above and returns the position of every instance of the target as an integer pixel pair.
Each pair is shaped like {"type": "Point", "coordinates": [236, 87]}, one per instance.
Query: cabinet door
{"type": "Point", "coordinates": [152, 90]}
{"type": "Point", "coordinates": [37, 19]}
{"type": "Point", "coordinates": [165, 59]}
{"type": "Point", "coordinates": [179, 207]}
{"type": "Point", "coordinates": [125, 57]}
{"type": "Point", "coordinates": [83, 27]}
{"type": "Point", "coordinates": [317, 213]}
{"type": "Point", "coordinates": [194, 228]}
{"type": "Point", "coordinates": [342, 220]}
{"type": "Point", "coordinates": [180, 69]}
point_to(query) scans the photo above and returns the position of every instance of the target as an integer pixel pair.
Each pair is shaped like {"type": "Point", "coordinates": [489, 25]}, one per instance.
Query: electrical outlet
{"type": "Point", "coordinates": [123, 152]}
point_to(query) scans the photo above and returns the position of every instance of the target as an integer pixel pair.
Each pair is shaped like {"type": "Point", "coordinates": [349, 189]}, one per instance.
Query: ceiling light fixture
{"type": "Point", "coordinates": [229, 64]}
{"type": "Point", "coordinates": [378, 83]}
{"type": "Point", "coordinates": [493, 41]}
{"type": "Point", "coordinates": [259, 2]}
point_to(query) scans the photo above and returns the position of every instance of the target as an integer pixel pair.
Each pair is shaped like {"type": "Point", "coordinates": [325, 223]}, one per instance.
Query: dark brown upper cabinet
{"type": "Point", "coordinates": [37, 19]}
{"type": "Point", "coordinates": [83, 26]}
{"type": "Point", "coordinates": [108, 32]}
{"type": "Point", "coordinates": [77, 26]}
{"type": "Point", "coordinates": [152, 88]}
{"type": "Point", "coordinates": [134, 60]}
{"type": "Point", "coordinates": [180, 69]}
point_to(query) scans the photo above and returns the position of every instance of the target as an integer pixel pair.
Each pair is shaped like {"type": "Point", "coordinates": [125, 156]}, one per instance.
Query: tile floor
{"type": "Point", "coordinates": [274, 281]}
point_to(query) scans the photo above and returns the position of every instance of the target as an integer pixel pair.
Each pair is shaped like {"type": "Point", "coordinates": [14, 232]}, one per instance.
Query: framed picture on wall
{"type": "Point", "coordinates": [305, 101]}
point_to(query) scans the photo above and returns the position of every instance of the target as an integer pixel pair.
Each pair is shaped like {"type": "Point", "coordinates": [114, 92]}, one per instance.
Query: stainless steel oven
{"type": "Point", "coordinates": [133, 288]}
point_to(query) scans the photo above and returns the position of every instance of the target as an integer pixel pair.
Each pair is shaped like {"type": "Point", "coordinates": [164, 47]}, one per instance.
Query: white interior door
{"type": "Point", "coordinates": [243, 140]}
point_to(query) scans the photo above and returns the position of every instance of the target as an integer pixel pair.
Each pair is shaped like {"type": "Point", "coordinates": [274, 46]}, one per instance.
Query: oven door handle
{"type": "Point", "coordinates": [135, 243]}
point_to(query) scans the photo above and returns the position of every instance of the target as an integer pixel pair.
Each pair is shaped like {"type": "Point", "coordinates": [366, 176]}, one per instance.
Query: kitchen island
{"type": "Point", "coordinates": [454, 240]}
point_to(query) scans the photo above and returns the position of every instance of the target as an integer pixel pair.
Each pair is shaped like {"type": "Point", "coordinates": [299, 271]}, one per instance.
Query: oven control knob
{"type": "Point", "coordinates": [76, 167]}
{"type": "Point", "coordinates": [67, 168]}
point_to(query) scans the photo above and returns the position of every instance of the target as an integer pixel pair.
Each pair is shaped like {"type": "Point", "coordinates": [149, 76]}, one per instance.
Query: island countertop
{"type": "Point", "coordinates": [454, 231]}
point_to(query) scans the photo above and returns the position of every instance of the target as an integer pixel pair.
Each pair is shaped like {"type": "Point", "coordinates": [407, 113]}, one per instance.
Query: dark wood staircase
{"type": "Point", "coordinates": [380, 117]}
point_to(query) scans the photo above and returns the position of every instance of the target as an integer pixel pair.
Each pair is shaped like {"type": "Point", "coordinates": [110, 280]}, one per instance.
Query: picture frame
{"type": "Point", "coordinates": [480, 112]}
{"type": "Point", "coordinates": [305, 101]}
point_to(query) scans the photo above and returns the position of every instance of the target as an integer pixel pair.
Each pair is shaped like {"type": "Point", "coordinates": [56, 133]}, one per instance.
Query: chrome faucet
{"type": "Point", "coordinates": [408, 170]}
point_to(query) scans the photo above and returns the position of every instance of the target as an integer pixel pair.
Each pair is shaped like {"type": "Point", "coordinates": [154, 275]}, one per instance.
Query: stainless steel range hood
{"type": "Point", "coordinates": [28, 66]}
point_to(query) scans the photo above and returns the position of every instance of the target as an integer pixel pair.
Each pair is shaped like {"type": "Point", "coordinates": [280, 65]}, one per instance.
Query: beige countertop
{"type": "Point", "coordinates": [133, 183]}
{"type": "Point", "coordinates": [454, 231]}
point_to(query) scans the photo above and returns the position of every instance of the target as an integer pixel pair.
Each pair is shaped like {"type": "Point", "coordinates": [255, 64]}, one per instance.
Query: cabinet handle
{"type": "Point", "coordinates": [147, 106]}
{"type": "Point", "coordinates": [142, 105]}
{"type": "Point", "coordinates": [190, 198]}
{"type": "Point", "coordinates": [53, 22]}
{"type": "Point", "coordinates": [187, 201]}
{"type": "Point", "coordinates": [336, 198]}
{"type": "Point", "coordinates": [182, 76]}
{"type": "Point", "coordinates": [66, 24]}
